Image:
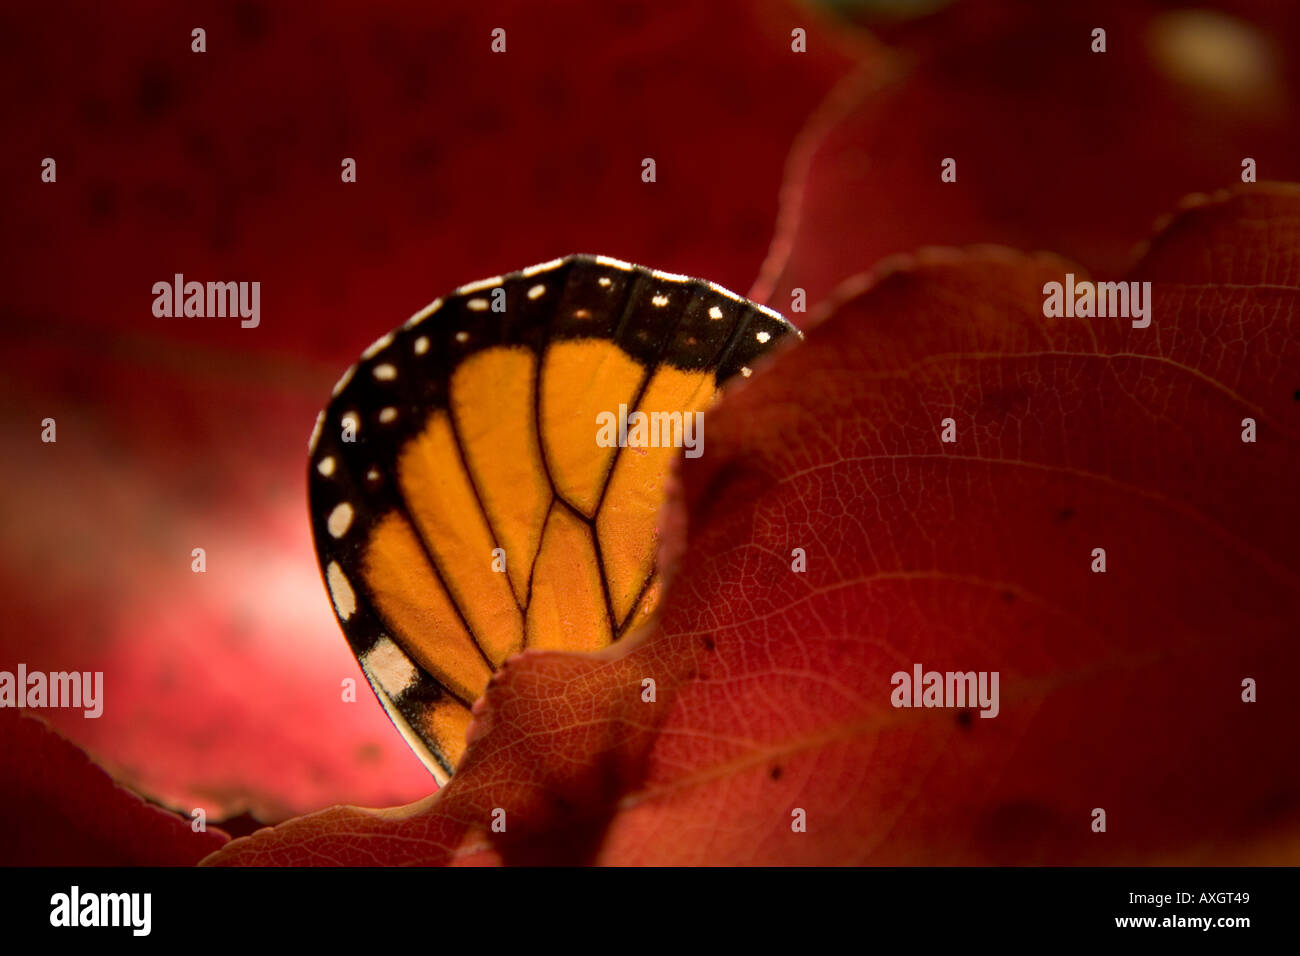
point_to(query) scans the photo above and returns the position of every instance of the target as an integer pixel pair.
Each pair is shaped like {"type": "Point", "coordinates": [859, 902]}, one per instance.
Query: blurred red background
{"type": "Point", "coordinates": [223, 688]}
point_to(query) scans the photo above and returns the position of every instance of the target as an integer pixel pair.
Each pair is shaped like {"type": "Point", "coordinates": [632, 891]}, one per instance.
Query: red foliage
{"type": "Point", "coordinates": [1056, 147]}
{"type": "Point", "coordinates": [58, 809]}
{"type": "Point", "coordinates": [1120, 690]}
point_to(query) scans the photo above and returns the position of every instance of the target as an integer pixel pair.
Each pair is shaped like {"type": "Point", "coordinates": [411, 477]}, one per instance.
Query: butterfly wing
{"type": "Point", "coordinates": [462, 506]}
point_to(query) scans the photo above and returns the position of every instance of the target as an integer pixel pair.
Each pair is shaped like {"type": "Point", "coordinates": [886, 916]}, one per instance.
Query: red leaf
{"type": "Point", "coordinates": [59, 809]}
{"type": "Point", "coordinates": [1056, 147]}
{"type": "Point", "coordinates": [1120, 691]}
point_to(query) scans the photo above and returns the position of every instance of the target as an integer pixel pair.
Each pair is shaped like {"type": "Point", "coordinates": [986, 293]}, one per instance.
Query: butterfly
{"type": "Point", "coordinates": [463, 504]}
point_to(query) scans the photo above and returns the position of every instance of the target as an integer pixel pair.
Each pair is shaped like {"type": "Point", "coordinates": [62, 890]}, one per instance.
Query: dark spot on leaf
{"type": "Point", "coordinates": [101, 203]}
{"type": "Point", "coordinates": [1009, 596]}
{"type": "Point", "coordinates": [1065, 514]}
{"type": "Point", "coordinates": [1296, 396]}
{"type": "Point", "coordinates": [776, 773]}
{"type": "Point", "coordinates": [708, 644]}
{"type": "Point", "coordinates": [1007, 401]}
{"type": "Point", "coordinates": [965, 717]}
{"type": "Point", "coordinates": [154, 92]}
{"type": "Point", "coordinates": [250, 21]}
{"type": "Point", "coordinates": [735, 480]}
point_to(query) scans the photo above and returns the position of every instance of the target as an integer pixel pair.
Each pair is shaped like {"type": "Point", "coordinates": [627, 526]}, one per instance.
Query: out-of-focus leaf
{"type": "Point", "coordinates": [1056, 147]}
{"type": "Point", "coordinates": [59, 809]}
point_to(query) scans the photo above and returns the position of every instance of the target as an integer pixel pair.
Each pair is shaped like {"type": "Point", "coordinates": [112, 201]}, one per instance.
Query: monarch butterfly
{"type": "Point", "coordinates": [461, 505]}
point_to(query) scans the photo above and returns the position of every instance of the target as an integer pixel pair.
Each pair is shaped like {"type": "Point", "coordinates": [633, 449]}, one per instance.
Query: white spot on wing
{"type": "Point", "coordinates": [715, 312]}
{"type": "Point", "coordinates": [345, 601]}
{"type": "Point", "coordinates": [537, 291]}
{"type": "Point", "coordinates": [462, 336]}
{"type": "Point", "coordinates": [326, 465]}
{"type": "Point", "coordinates": [746, 371]}
{"type": "Point", "coordinates": [722, 290]}
{"type": "Point", "coordinates": [387, 415]}
{"type": "Point", "coordinates": [421, 345]}
{"type": "Point", "coordinates": [340, 520]}
{"type": "Point", "coordinates": [763, 336]}
{"type": "Point", "coordinates": [477, 305]}
{"type": "Point", "coordinates": [389, 667]}
{"type": "Point", "coordinates": [385, 372]}
{"type": "Point", "coordinates": [660, 300]}
{"type": "Point", "coordinates": [605, 282]}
